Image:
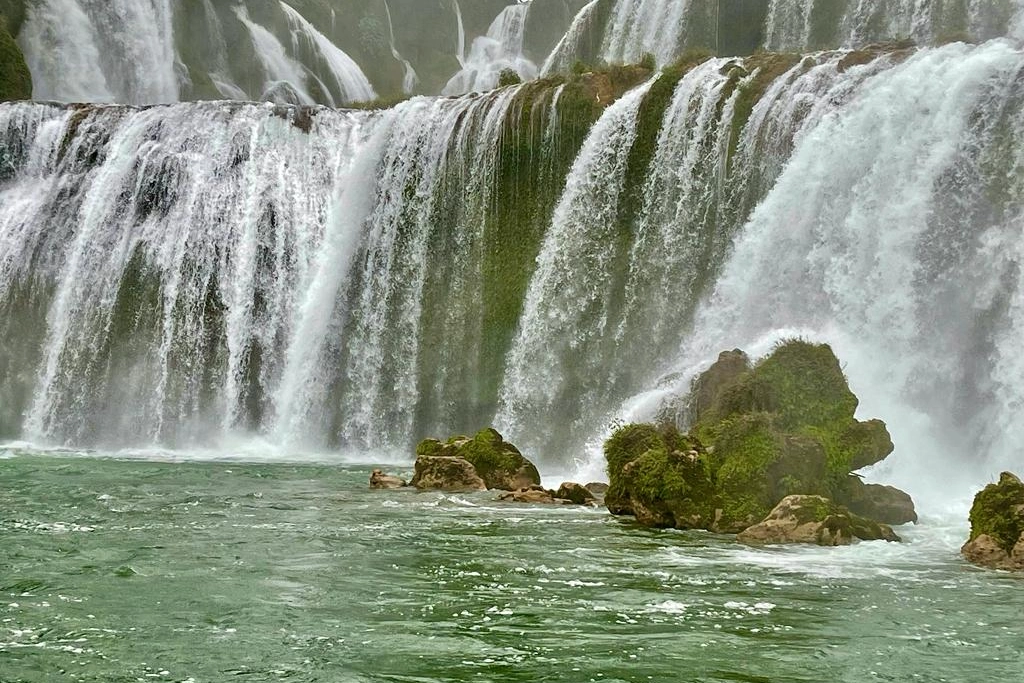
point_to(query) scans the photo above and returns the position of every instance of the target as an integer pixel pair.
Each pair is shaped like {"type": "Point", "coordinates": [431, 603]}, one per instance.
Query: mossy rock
{"type": "Point", "coordinates": [499, 463]}
{"type": "Point", "coordinates": [998, 512]}
{"type": "Point", "coordinates": [671, 488]}
{"type": "Point", "coordinates": [815, 520]}
{"type": "Point", "coordinates": [628, 444]}
{"type": "Point", "coordinates": [760, 465]}
{"type": "Point", "coordinates": [15, 79]}
{"type": "Point", "coordinates": [783, 426]}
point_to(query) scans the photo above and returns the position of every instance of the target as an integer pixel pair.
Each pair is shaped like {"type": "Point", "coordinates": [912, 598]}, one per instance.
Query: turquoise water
{"type": "Point", "coordinates": [140, 570]}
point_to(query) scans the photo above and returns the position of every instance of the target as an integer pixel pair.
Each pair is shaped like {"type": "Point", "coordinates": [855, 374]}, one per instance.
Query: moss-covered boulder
{"type": "Point", "coordinates": [446, 473]}
{"type": "Point", "coordinates": [997, 525]}
{"type": "Point", "coordinates": [498, 463]}
{"type": "Point", "coordinates": [759, 433]}
{"type": "Point", "coordinates": [15, 79]}
{"type": "Point", "coordinates": [816, 520]}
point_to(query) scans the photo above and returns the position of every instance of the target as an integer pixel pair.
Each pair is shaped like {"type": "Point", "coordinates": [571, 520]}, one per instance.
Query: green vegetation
{"type": "Point", "coordinates": [15, 79]}
{"type": "Point", "coordinates": [998, 511]}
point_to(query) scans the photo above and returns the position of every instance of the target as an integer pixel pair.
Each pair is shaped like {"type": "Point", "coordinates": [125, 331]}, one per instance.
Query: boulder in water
{"type": "Point", "coordinates": [535, 495]}
{"type": "Point", "coordinates": [760, 432]}
{"type": "Point", "coordinates": [575, 493]}
{"type": "Point", "coordinates": [446, 473]}
{"type": "Point", "coordinates": [886, 504]}
{"type": "Point", "coordinates": [497, 462]}
{"type": "Point", "coordinates": [379, 480]}
{"type": "Point", "coordinates": [997, 526]}
{"type": "Point", "coordinates": [598, 488]}
{"type": "Point", "coordinates": [816, 520]}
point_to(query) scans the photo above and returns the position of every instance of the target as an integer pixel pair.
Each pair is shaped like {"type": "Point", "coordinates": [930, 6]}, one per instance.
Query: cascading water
{"type": "Point", "coordinates": [799, 24]}
{"type": "Point", "coordinates": [101, 51]}
{"type": "Point", "coordinates": [350, 83]}
{"type": "Point", "coordinates": [162, 260]}
{"type": "Point", "coordinates": [199, 270]}
{"type": "Point", "coordinates": [190, 271]}
{"type": "Point", "coordinates": [500, 49]}
{"type": "Point", "coordinates": [567, 49]}
{"type": "Point", "coordinates": [639, 27]}
{"type": "Point", "coordinates": [919, 291]}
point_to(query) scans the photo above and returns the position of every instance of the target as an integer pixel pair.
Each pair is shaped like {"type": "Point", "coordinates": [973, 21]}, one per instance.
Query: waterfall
{"type": "Point", "coordinates": [350, 81]}
{"type": "Point", "coordinates": [500, 49]}
{"type": "Point", "coordinates": [159, 251]}
{"type": "Point", "coordinates": [568, 306]}
{"type": "Point", "coordinates": [799, 24]}
{"type": "Point", "coordinates": [894, 233]}
{"type": "Point", "coordinates": [101, 51]}
{"type": "Point", "coordinates": [567, 49]}
{"type": "Point", "coordinates": [639, 27]}
{"type": "Point", "coordinates": [409, 78]}
{"type": "Point", "coordinates": [188, 272]}
{"type": "Point", "coordinates": [181, 273]}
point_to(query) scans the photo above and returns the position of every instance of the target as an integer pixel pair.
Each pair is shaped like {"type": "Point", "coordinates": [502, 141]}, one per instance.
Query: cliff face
{"type": "Point", "coordinates": [15, 79]}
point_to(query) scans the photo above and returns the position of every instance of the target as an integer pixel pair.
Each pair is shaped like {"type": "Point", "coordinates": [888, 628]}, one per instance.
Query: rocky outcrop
{"type": "Point", "coordinates": [533, 494]}
{"type": "Point", "coordinates": [883, 503]}
{"type": "Point", "coordinates": [760, 432]}
{"type": "Point", "coordinates": [15, 79]}
{"type": "Point", "coordinates": [497, 462]}
{"type": "Point", "coordinates": [815, 520]}
{"type": "Point", "coordinates": [446, 473]}
{"type": "Point", "coordinates": [379, 480]}
{"type": "Point", "coordinates": [997, 526]}
{"type": "Point", "coordinates": [575, 493]}
{"type": "Point", "coordinates": [598, 488]}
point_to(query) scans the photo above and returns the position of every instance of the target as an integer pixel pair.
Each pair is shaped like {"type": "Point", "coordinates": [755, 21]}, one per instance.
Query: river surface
{"type": "Point", "coordinates": [157, 569]}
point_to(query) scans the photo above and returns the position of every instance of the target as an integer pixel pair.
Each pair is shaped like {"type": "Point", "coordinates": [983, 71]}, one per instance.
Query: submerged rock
{"type": "Point", "coordinates": [446, 473]}
{"type": "Point", "coordinates": [498, 463]}
{"type": "Point", "coordinates": [761, 432]}
{"type": "Point", "coordinates": [997, 526]}
{"type": "Point", "coordinates": [533, 494]}
{"type": "Point", "coordinates": [816, 520]}
{"type": "Point", "coordinates": [379, 480]}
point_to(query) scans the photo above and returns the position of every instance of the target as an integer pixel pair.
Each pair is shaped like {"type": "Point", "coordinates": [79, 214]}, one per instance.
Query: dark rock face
{"type": "Point", "coordinates": [815, 520]}
{"type": "Point", "coordinates": [997, 526]}
{"type": "Point", "coordinates": [446, 473]}
{"type": "Point", "coordinates": [497, 462]}
{"type": "Point", "coordinates": [780, 427]}
{"type": "Point", "coordinates": [885, 503]}
{"type": "Point", "coordinates": [598, 488]}
{"type": "Point", "coordinates": [379, 480]}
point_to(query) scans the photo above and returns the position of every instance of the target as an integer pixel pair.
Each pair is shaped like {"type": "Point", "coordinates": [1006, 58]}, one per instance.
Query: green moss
{"type": "Point", "coordinates": [745, 447]}
{"type": "Point", "coordinates": [15, 79]}
{"type": "Point", "coordinates": [998, 511]}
